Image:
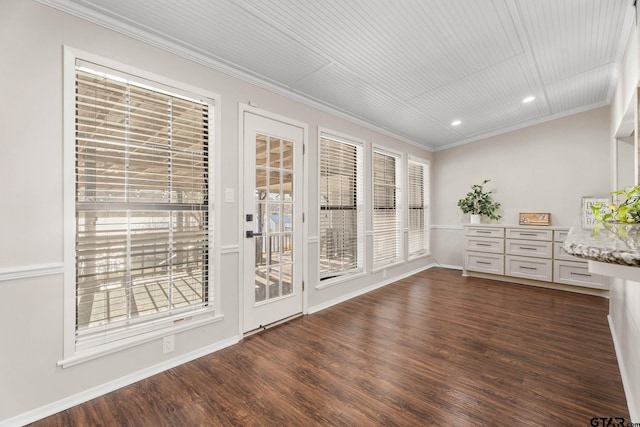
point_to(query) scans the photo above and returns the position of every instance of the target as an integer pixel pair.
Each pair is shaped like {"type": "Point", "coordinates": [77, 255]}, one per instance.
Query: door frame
{"type": "Point", "coordinates": [242, 188]}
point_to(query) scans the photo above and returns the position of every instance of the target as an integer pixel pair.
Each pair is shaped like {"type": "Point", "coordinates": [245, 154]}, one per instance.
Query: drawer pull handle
{"type": "Point", "coordinates": [528, 249]}
{"type": "Point", "coordinates": [528, 234]}
{"type": "Point", "coordinates": [580, 274]}
{"type": "Point", "coordinates": [528, 268]}
{"type": "Point", "coordinates": [484, 262]}
{"type": "Point", "coordinates": [483, 232]}
{"type": "Point", "coordinates": [483, 244]}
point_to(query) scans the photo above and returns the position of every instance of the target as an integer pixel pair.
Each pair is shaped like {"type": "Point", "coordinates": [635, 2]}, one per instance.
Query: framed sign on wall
{"type": "Point", "coordinates": [534, 218]}
{"type": "Point", "coordinates": [588, 218]}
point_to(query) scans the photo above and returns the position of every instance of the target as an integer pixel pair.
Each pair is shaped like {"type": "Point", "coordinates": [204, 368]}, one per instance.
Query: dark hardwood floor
{"type": "Point", "coordinates": [432, 349]}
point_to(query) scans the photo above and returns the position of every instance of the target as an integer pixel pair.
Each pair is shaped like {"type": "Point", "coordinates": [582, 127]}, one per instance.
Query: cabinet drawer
{"type": "Point", "coordinates": [577, 273]}
{"type": "Point", "coordinates": [560, 253]}
{"type": "Point", "coordinates": [484, 263]}
{"type": "Point", "coordinates": [485, 231]}
{"type": "Point", "coordinates": [529, 248]}
{"type": "Point", "coordinates": [560, 235]}
{"type": "Point", "coordinates": [484, 244]}
{"type": "Point", "coordinates": [529, 268]}
{"type": "Point", "coordinates": [528, 234]}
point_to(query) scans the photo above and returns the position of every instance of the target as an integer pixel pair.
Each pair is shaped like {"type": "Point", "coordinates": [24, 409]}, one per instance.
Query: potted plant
{"type": "Point", "coordinates": [617, 221]}
{"type": "Point", "coordinates": [479, 202]}
{"type": "Point", "coordinates": [627, 211]}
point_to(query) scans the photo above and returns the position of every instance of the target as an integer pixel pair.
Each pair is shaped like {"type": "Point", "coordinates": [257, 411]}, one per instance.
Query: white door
{"type": "Point", "coordinates": [273, 220]}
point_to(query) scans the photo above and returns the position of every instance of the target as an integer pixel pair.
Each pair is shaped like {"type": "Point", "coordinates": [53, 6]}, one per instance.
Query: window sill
{"type": "Point", "coordinates": [341, 279]}
{"type": "Point", "coordinates": [385, 266]}
{"type": "Point", "coordinates": [114, 347]}
{"type": "Point", "coordinates": [419, 256]}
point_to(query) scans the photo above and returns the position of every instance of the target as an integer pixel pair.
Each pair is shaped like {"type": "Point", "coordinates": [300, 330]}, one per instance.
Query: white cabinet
{"type": "Point", "coordinates": [560, 253]}
{"type": "Point", "coordinates": [484, 262]}
{"type": "Point", "coordinates": [529, 268]}
{"type": "Point", "coordinates": [529, 248]}
{"type": "Point", "coordinates": [527, 254]}
{"type": "Point", "coordinates": [484, 231]}
{"type": "Point", "coordinates": [484, 249]}
{"type": "Point", "coordinates": [571, 270]}
{"type": "Point", "coordinates": [577, 273]}
{"type": "Point", "coordinates": [529, 234]}
{"type": "Point", "coordinates": [484, 244]}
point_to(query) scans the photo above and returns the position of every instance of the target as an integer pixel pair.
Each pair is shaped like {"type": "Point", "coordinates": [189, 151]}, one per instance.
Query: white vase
{"type": "Point", "coordinates": [475, 219]}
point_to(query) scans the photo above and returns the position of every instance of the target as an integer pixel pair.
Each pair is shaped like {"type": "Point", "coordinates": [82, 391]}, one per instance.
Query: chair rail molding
{"type": "Point", "coordinates": [28, 271]}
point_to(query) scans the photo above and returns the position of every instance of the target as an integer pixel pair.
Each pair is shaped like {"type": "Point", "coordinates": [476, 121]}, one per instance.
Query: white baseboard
{"type": "Point", "coordinates": [331, 303]}
{"type": "Point", "coordinates": [626, 382]}
{"type": "Point", "coordinates": [92, 393]}
{"type": "Point", "coordinates": [449, 266]}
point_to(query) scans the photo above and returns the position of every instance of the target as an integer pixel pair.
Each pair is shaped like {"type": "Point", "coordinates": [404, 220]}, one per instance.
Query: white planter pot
{"type": "Point", "coordinates": [475, 219]}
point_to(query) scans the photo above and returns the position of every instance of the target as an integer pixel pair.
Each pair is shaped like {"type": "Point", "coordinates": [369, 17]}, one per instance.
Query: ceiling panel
{"type": "Point", "coordinates": [340, 88]}
{"type": "Point", "coordinates": [407, 66]}
{"type": "Point", "coordinates": [221, 30]}
{"type": "Point", "coordinates": [570, 37]}
{"type": "Point", "coordinates": [487, 100]}
{"type": "Point", "coordinates": [585, 89]}
{"type": "Point", "coordinates": [405, 47]}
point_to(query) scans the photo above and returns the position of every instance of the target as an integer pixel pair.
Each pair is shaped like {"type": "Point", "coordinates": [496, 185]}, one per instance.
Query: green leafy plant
{"type": "Point", "coordinates": [627, 211]}
{"type": "Point", "coordinates": [478, 201]}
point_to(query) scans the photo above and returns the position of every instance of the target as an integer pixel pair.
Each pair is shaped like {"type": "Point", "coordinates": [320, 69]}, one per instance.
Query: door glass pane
{"type": "Point", "coordinates": [275, 256]}
{"type": "Point", "coordinates": [261, 150]}
{"type": "Point", "coordinates": [287, 247]}
{"type": "Point", "coordinates": [261, 259]}
{"type": "Point", "coordinates": [275, 154]}
{"type": "Point", "coordinates": [261, 219]}
{"type": "Point", "coordinates": [274, 217]}
{"type": "Point", "coordinates": [261, 184]}
{"type": "Point", "coordinates": [287, 285]}
{"type": "Point", "coordinates": [274, 282]}
{"type": "Point", "coordinates": [287, 217]}
{"type": "Point", "coordinates": [287, 155]}
{"type": "Point", "coordinates": [261, 284]}
{"type": "Point", "coordinates": [274, 185]}
{"type": "Point", "coordinates": [287, 186]}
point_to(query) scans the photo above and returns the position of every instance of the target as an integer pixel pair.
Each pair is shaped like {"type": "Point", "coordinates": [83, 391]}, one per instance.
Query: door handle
{"type": "Point", "coordinates": [249, 234]}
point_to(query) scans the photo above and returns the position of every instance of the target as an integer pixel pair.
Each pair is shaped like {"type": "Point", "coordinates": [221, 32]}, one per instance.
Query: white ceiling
{"type": "Point", "coordinates": [408, 67]}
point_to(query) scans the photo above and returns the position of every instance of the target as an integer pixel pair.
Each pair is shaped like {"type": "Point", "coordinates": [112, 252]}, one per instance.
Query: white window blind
{"type": "Point", "coordinates": [341, 213]}
{"type": "Point", "coordinates": [142, 202]}
{"type": "Point", "coordinates": [386, 208]}
{"type": "Point", "coordinates": [417, 192]}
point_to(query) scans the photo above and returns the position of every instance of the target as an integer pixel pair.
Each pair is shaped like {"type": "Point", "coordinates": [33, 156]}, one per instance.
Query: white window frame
{"type": "Point", "coordinates": [426, 182]}
{"type": "Point", "coordinates": [360, 270]}
{"type": "Point", "coordinates": [73, 353]}
{"type": "Point", "coordinates": [400, 203]}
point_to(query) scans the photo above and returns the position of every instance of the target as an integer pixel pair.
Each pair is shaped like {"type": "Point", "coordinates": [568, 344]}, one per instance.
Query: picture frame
{"type": "Point", "coordinates": [534, 218]}
{"type": "Point", "coordinates": [587, 216]}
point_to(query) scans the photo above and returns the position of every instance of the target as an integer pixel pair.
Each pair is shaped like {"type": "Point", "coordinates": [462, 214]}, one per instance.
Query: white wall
{"type": "Point", "coordinates": [543, 168]}
{"type": "Point", "coordinates": [624, 305]}
{"type": "Point", "coordinates": [31, 188]}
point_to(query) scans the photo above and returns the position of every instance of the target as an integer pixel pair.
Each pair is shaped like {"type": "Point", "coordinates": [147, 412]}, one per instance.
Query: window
{"type": "Point", "coordinates": [143, 222]}
{"type": "Point", "coordinates": [341, 212]}
{"type": "Point", "coordinates": [386, 208]}
{"type": "Point", "coordinates": [417, 192]}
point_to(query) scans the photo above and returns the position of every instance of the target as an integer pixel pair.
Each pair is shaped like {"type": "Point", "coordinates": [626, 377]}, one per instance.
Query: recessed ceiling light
{"type": "Point", "coordinates": [455, 122]}
{"type": "Point", "coordinates": [528, 99]}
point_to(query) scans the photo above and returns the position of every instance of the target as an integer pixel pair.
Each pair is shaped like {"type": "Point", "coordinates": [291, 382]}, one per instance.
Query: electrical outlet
{"type": "Point", "coordinates": [168, 344]}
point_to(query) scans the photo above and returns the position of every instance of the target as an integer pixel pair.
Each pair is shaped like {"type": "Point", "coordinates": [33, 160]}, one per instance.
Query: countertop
{"type": "Point", "coordinates": [613, 243]}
